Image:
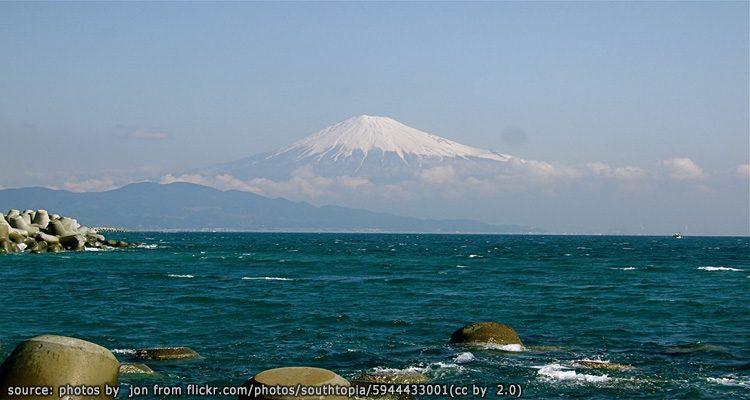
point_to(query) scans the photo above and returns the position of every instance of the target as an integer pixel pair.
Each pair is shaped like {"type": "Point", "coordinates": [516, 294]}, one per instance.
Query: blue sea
{"type": "Point", "coordinates": [676, 311]}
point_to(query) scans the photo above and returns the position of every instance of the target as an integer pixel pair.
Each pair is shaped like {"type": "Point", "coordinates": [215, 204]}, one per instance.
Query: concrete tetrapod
{"type": "Point", "coordinates": [70, 368]}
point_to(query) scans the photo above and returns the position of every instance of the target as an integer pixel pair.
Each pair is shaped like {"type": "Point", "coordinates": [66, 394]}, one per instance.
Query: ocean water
{"type": "Point", "coordinates": [677, 311]}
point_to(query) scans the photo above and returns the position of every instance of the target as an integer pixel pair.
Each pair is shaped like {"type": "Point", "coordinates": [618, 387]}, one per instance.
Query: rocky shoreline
{"type": "Point", "coordinates": [38, 231]}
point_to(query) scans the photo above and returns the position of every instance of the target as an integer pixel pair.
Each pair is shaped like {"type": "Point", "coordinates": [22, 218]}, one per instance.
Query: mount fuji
{"type": "Point", "coordinates": [377, 148]}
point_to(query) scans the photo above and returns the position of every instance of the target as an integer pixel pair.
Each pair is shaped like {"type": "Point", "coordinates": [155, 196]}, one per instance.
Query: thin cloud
{"type": "Point", "coordinates": [743, 170]}
{"type": "Point", "coordinates": [683, 169]}
{"type": "Point", "coordinates": [623, 173]}
{"type": "Point", "coordinates": [90, 185]}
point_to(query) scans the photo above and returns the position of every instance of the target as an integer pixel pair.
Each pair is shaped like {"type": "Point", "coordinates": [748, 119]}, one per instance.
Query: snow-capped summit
{"type": "Point", "coordinates": [361, 135]}
{"type": "Point", "coordinates": [377, 148]}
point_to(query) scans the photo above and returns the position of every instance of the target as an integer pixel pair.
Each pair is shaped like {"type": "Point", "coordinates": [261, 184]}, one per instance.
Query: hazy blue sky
{"type": "Point", "coordinates": [93, 95]}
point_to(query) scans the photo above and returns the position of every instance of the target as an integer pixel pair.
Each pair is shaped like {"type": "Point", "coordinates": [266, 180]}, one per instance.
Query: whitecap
{"type": "Point", "coordinates": [710, 268]}
{"type": "Point", "coordinates": [123, 351]}
{"type": "Point", "coordinates": [180, 276]}
{"type": "Point", "coordinates": [557, 372]}
{"type": "Point", "coordinates": [503, 347]}
{"type": "Point", "coordinates": [265, 278]}
{"type": "Point", "coordinates": [460, 266]}
{"type": "Point", "coordinates": [463, 357]}
{"type": "Point", "coordinates": [730, 380]}
{"type": "Point", "coordinates": [92, 249]}
{"type": "Point", "coordinates": [475, 256]}
{"type": "Point", "coordinates": [148, 246]}
{"type": "Point", "coordinates": [625, 268]}
{"type": "Point", "coordinates": [436, 369]}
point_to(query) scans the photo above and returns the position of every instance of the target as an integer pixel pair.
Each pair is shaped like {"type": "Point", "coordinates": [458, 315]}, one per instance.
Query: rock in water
{"type": "Point", "coordinates": [486, 332]}
{"type": "Point", "coordinates": [61, 363]}
{"type": "Point", "coordinates": [130, 368]}
{"type": "Point", "coordinates": [598, 364]}
{"type": "Point", "coordinates": [166, 353]}
{"type": "Point", "coordinates": [293, 376]}
{"type": "Point", "coordinates": [400, 378]}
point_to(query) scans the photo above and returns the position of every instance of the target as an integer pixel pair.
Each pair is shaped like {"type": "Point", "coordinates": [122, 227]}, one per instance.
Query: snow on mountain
{"type": "Point", "coordinates": [379, 149]}
{"type": "Point", "coordinates": [365, 134]}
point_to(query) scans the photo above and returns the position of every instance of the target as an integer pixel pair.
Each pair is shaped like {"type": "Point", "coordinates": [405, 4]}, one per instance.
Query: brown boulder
{"type": "Point", "coordinates": [486, 332]}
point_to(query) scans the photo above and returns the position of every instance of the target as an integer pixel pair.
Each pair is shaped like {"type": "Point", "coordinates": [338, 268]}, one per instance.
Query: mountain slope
{"type": "Point", "coordinates": [364, 134]}
{"type": "Point", "coordinates": [377, 148]}
{"type": "Point", "coordinates": [189, 207]}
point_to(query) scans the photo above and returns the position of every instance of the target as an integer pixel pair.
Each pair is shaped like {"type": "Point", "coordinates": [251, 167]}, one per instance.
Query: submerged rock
{"type": "Point", "coordinates": [166, 353]}
{"type": "Point", "coordinates": [135, 368]}
{"type": "Point", "coordinates": [397, 378]}
{"type": "Point", "coordinates": [486, 332]}
{"type": "Point", "coordinates": [599, 364]}
{"type": "Point", "coordinates": [293, 376]}
{"type": "Point", "coordinates": [61, 363]}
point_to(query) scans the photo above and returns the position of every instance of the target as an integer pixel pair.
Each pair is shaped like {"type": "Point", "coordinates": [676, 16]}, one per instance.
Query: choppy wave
{"type": "Point", "coordinates": [625, 268]}
{"type": "Point", "coordinates": [123, 351]}
{"type": "Point", "coordinates": [711, 268]}
{"type": "Point", "coordinates": [180, 276]}
{"type": "Point", "coordinates": [730, 381]}
{"type": "Point", "coordinates": [557, 372]}
{"type": "Point", "coordinates": [265, 278]}
{"type": "Point", "coordinates": [434, 370]}
{"type": "Point", "coordinates": [502, 347]}
{"type": "Point", "coordinates": [475, 256]}
{"type": "Point", "coordinates": [463, 357]}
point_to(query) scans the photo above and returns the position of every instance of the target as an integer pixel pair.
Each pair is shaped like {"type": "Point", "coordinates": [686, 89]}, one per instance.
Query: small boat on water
{"type": "Point", "coordinates": [677, 235]}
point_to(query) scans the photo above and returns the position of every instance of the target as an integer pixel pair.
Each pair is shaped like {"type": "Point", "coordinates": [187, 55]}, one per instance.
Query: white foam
{"type": "Point", "coordinates": [730, 380]}
{"type": "Point", "coordinates": [180, 276]}
{"type": "Point", "coordinates": [433, 369]}
{"type": "Point", "coordinates": [502, 347]}
{"type": "Point", "coordinates": [463, 357]}
{"type": "Point", "coordinates": [475, 256]}
{"type": "Point", "coordinates": [460, 266]}
{"type": "Point", "coordinates": [148, 246]}
{"type": "Point", "coordinates": [626, 268]}
{"type": "Point", "coordinates": [123, 351]}
{"type": "Point", "coordinates": [557, 372]}
{"type": "Point", "coordinates": [92, 249]}
{"type": "Point", "coordinates": [710, 268]}
{"type": "Point", "coordinates": [265, 278]}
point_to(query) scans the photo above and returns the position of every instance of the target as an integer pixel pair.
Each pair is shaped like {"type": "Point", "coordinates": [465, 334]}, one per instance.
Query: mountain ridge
{"type": "Point", "coordinates": [187, 206]}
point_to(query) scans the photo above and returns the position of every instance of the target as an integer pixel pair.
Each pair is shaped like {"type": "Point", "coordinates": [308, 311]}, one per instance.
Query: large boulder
{"type": "Point", "coordinates": [291, 377]}
{"type": "Point", "coordinates": [487, 333]}
{"type": "Point", "coordinates": [61, 363]}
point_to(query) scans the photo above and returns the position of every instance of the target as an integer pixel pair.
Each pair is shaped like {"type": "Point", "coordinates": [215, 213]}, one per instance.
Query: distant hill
{"type": "Point", "coordinates": [186, 206]}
